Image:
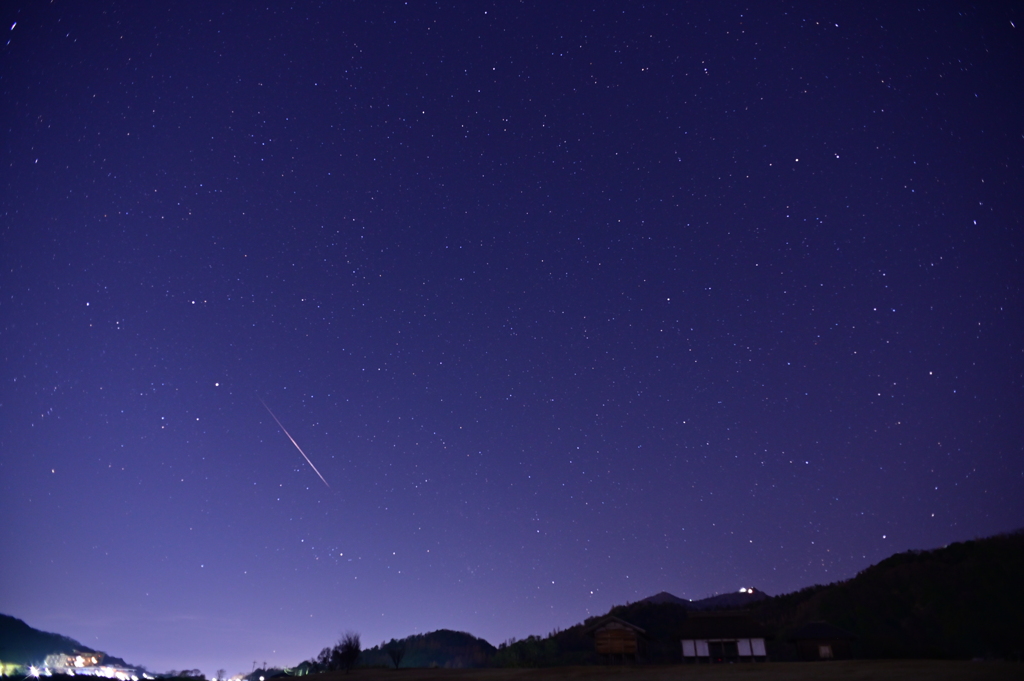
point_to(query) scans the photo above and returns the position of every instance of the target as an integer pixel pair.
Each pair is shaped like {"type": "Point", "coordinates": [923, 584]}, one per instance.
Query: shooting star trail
{"type": "Point", "coordinates": [285, 431]}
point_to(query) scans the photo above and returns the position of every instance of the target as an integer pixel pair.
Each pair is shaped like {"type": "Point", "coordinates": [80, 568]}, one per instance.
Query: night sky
{"type": "Point", "coordinates": [568, 303]}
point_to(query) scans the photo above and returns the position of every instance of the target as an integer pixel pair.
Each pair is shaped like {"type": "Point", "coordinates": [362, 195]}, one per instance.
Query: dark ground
{"type": "Point", "coordinates": [849, 670]}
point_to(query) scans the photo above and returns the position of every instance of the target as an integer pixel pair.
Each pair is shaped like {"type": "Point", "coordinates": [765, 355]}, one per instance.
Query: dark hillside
{"type": "Point", "coordinates": [962, 601]}
{"type": "Point", "coordinates": [21, 644]}
{"type": "Point", "coordinates": [442, 648]}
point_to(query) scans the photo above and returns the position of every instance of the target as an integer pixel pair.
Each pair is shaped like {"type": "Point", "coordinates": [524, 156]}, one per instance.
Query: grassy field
{"type": "Point", "coordinates": [846, 670]}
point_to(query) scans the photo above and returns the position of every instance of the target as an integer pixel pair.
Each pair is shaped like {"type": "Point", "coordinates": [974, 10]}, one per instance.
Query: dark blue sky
{"type": "Point", "coordinates": [569, 306]}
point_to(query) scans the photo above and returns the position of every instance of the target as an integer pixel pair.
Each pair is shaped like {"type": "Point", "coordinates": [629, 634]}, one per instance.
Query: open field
{"type": "Point", "coordinates": [847, 670]}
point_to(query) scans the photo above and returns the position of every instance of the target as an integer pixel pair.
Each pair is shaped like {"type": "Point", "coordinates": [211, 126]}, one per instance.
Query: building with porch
{"type": "Point", "coordinates": [723, 637]}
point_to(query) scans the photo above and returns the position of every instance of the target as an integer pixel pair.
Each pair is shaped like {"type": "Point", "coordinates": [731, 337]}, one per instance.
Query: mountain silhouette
{"type": "Point", "coordinates": [731, 600]}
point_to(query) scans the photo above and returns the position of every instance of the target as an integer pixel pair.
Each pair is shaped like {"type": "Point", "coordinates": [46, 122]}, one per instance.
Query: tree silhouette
{"type": "Point", "coordinates": [323, 660]}
{"type": "Point", "coordinates": [396, 651]}
{"type": "Point", "coordinates": [347, 651]}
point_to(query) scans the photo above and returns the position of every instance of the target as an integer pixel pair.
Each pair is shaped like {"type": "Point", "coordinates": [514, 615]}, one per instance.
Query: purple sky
{"type": "Point", "coordinates": [568, 306]}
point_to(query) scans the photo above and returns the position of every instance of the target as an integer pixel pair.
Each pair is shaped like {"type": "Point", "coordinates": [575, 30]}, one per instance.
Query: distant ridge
{"type": "Point", "coordinates": [665, 597]}
{"type": "Point", "coordinates": [734, 599]}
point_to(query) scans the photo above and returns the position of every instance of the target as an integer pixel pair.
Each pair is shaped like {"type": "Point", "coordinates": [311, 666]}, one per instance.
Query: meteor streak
{"type": "Point", "coordinates": [283, 429]}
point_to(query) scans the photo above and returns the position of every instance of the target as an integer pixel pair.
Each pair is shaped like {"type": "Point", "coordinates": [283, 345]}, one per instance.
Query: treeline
{"type": "Point", "coordinates": [343, 655]}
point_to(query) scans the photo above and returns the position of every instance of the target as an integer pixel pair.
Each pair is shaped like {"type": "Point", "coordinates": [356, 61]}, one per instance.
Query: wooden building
{"type": "Point", "coordinates": [823, 641]}
{"type": "Point", "coordinates": [615, 638]}
{"type": "Point", "coordinates": [723, 637]}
